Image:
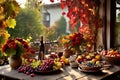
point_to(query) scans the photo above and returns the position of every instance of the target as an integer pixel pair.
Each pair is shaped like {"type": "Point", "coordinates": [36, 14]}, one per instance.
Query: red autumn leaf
{"type": "Point", "coordinates": [51, 0]}
{"type": "Point", "coordinates": [63, 13]}
{"type": "Point", "coordinates": [63, 4]}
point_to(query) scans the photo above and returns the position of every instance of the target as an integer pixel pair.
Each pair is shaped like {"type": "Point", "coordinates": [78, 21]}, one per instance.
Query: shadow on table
{"type": "Point", "coordinates": [49, 73]}
{"type": "Point", "coordinates": [2, 77]}
{"type": "Point", "coordinates": [114, 76]}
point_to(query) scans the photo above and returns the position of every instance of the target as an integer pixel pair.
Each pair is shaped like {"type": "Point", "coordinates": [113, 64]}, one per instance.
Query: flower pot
{"type": "Point", "coordinates": [67, 53]}
{"type": "Point", "coordinates": [15, 62]}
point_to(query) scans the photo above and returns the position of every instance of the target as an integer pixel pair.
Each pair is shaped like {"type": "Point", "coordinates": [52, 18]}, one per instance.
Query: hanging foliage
{"type": "Point", "coordinates": [84, 11]}
{"type": "Point", "coordinates": [8, 11]}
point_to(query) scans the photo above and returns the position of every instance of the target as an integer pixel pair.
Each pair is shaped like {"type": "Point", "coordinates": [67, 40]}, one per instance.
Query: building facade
{"type": "Point", "coordinates": [52, 13]}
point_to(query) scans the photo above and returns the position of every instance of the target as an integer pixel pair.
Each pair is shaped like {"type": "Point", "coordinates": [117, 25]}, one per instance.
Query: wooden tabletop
{"type": "Point", "coordinates": [67, 73]}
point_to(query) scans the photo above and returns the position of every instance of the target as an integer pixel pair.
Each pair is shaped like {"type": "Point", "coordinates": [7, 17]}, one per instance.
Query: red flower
{"type": "Point", "coordinates": [4, 47]}
{"type": "Point", "coordinates": [51, 0]}
{"type": "Point", "coordinates": [12, 45]}
{"type": "Point", "coordinates": [16, 46]}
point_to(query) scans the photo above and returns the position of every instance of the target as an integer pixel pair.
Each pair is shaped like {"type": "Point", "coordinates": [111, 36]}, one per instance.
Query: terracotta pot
{"type": "Point", "coordinates": [15, 62]}
{"type": "Point", "coordinates": [67, 53]}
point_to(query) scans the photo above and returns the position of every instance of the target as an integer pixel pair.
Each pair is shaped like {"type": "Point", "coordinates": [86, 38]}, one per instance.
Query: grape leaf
{"type": "Point", "coordinates": [11, 52]}
{"type": "Point", "coordinates": [2, 39]}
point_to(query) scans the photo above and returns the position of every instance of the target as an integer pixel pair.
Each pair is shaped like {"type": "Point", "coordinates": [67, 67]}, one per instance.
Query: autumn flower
{"type": "Point", "coordinates": [76, 41]}
{"type": "Point", "coordinates": [15, 47]}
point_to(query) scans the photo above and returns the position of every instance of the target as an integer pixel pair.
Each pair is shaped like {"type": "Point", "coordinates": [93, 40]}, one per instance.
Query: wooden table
{"type": "Point", "coordinates": [66, 73]}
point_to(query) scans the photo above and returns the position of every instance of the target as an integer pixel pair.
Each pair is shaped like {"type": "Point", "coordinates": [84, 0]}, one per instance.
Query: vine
{"type": "Point", "coordinates": [84, 11]}
{"type": "Point", "coordinates": [8, 11]}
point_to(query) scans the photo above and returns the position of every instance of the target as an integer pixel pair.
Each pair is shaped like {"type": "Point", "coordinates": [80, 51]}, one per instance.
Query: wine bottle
{"type": "Point", "coordinates": [41, 49]}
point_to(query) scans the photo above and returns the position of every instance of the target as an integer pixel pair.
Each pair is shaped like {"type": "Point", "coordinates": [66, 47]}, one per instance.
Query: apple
{"type": "Point", "coordinates": [93, 60]}
{"type": "Point", "coordinates": [80, 57]}
{"type": "Point", "coordinates": [79, 60]}
{"type": "Point", "coordinates": [97, 62]}
{"type": "Point", "coordinates": [66, 61]}
{"type": "Point", "coordinates": [88, 57]}
{"type": "Point", "coordinates": [98, 57]}
{"type": "Point", "coordinates": [63, 63]}
{"type": "Point", "coordinates": [59, 64]}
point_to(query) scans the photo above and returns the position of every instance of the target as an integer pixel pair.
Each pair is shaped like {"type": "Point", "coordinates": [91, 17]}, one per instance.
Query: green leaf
{"type": "Point", "coordinates": [11, 23]}
{"type": "Point", "coordinates": [1, 53]}
{"type": "Point", "coordinates": [10, 52]}
{"type": "Point", "coordinates": [2, 39]}
{"type": "Point", "coordinates": [15, 7]}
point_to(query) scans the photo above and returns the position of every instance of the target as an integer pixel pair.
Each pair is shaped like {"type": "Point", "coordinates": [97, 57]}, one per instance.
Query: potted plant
{"type": "Point", "coordinates": [78, 41]}
{"type": "Point", "coordinates": [15, 48]}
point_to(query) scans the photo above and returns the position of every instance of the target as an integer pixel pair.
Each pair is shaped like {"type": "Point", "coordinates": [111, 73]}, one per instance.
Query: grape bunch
{"type": "Point", "coordinates": [36, 64]}
{"type": "Point", "coordinates": [27, 69]}
{"type": "Point", "coordinates": [47, 66]}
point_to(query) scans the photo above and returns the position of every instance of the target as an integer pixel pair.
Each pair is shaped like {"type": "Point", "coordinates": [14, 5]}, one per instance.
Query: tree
{"type": "Point", "coordinates": [29, 23]}
{"type": "Point", "coordinates": [61, 27]}
{"type": "Point", "coordinates": [50, 33]}
{"type": "Point", "coordinates": [57, 30]}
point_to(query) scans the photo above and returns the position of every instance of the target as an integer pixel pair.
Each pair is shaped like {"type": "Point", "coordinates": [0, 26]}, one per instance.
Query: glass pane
{"type": "Point", "coordinates": [117, 25]}
{"type": "Point", "coordinates": [117, 34]}
{"type": "Point", "coordinates": [118, 3]}
{"type": "Point", "coordinates": [117, 15]}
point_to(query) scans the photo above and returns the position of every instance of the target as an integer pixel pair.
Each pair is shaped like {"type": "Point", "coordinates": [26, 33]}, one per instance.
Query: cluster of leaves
{"type": "Point", "coordinates": [79, 10]}
{"type": "Point", "coordinates": [57, 30]}
{"type": "Point", "coordinates": [16, 47]}
{"type": "Point", "coordinates": [28, 24]}
{"type": "Point", "coordinates": [8, 11]}
{"type": "Point", "coordinates": [83, 11]}
{"type": "Point", "coordinates": [76, 41]}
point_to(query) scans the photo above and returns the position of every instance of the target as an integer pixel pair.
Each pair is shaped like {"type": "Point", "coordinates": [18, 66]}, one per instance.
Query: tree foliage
{"type": "Point", "coordinates": [57, 30]}
{"type": "Point", "coordinates": [84, 11]}
{"type": "Point", "coordinates": [61, 26]}
{"type": "Point", "coordinates": [29, 23]}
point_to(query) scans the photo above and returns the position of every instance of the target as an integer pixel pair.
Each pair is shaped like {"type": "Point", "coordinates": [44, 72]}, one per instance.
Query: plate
{"type": "Point", "coordinates": [48, 72]}
{"type": "Point", "coordinates": [82, 70]}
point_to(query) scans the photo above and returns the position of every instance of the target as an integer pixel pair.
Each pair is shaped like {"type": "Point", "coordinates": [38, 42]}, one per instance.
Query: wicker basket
{"type": "Point", "coordinates": [85, 67]}
{"type": "Point", "coordinates": [112, 60]}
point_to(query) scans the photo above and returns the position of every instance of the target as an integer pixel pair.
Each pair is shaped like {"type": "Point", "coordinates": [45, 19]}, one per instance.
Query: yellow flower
{"type": "Point", "coordinates": [89, 45]}
{"type": "Point", "coordinates": [4, 35]}
{"type": "Point", "coordinates": [11, 23]}
{"type": "Point", "coordinates": [67, 37]}
{"type": "Point", "coordinates": [65, 41]}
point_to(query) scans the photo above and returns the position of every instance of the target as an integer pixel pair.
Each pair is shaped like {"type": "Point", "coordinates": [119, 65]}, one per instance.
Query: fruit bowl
{"type": "Point", "coordinates": [83, 67]}
{"type": "Point", "coordinates": [112, 60]}
{"type": "Point", "coordinates": [90, 67]}
{"type": "Point", "coordinates": [111, 56]}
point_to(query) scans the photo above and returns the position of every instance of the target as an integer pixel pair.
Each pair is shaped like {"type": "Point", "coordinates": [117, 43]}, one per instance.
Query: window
{"type": "Point", "coordinates": [115, 24]}
{"type": "Point", "coordinates": [46, 18]}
